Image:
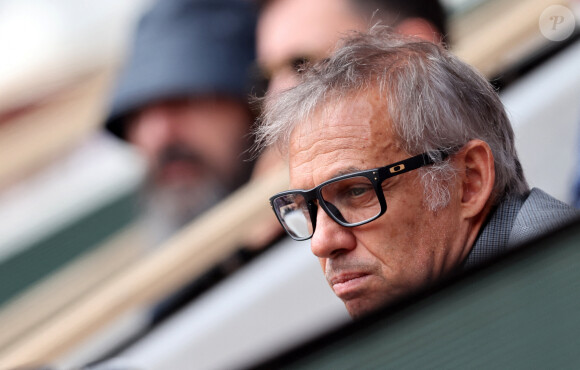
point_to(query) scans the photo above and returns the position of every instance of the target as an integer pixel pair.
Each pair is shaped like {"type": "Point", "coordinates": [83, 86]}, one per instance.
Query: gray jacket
{"type": "Point", "coordinates": [517, 220]}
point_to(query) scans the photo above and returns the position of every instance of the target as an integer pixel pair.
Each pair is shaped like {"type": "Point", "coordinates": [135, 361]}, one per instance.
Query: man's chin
{"type": "Point", "coordinates": [169, 208]}
{"type": "Point", "coordinates": [362, 306]}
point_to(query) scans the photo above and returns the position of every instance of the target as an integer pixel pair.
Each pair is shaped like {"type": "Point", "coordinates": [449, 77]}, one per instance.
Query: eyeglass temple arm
{"type": "Point", "coordinates": [410, 164]}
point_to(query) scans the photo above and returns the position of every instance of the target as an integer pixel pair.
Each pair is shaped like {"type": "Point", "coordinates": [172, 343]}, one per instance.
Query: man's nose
{"type": "Point", "coordinates": [330, 239]}
{"type": "Point", "coordinates": [161, 124]}
{"type": "Point", "coordinates": [152, 130]}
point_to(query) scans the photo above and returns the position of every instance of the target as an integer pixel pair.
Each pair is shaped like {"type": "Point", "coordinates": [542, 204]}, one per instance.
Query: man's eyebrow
{"type": "Point", "coordinates": [346, 171]}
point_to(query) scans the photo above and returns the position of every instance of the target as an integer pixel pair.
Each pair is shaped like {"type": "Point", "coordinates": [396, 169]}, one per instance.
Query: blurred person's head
{"type": "Point", "coordinates": [398, 152]}
{"type": "Point", "coordinates": [181, 99]}
{"type": "Point", "coordinates": [293, 32]}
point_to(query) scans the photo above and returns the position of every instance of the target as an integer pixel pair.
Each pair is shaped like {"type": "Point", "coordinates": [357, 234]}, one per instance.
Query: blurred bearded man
{"type": "Point", "coordinates": [181, 99]}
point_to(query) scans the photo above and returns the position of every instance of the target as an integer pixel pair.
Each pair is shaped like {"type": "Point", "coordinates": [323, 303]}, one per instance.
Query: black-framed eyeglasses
{"type": "Point", "coordinates": [350, 200]}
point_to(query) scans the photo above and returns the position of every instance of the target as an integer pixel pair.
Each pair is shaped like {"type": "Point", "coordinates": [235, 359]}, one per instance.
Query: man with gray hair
{"type": "Point", "coordinates": [404, 166]}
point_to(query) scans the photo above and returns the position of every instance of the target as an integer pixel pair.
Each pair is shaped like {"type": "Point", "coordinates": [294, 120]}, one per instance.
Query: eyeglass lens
{"type": "Point", "coordinates": [294, 215]}
{"type": "Point", "coordinates": [351, 200]}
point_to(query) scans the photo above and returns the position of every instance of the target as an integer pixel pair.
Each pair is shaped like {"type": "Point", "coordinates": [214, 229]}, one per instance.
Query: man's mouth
{"type": "Point", "coordinates": [176, 172]}
{"type": "Point", "coordinates": [347, 285]}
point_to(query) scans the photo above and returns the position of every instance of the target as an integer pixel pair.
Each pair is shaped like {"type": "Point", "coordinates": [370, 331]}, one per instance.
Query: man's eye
{"type": "Point", "coordinates": [356, 196]}
{"type": "Point", "coordinates": [354, 192]}
{"type": "Point", "coordinates": [299, 64]}
{"type": "Point", "coordinates": [260, 78]}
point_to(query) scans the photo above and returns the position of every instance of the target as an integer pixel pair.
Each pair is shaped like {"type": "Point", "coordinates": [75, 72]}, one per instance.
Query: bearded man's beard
{"type": "Point", "coordinates": [169, 208]}
{"type": "Point", "coordinates": [170, 204]}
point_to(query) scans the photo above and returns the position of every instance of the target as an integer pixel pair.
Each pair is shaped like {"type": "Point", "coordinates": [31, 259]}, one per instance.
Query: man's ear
{"type": "Point", "coordinates": [477, 174]}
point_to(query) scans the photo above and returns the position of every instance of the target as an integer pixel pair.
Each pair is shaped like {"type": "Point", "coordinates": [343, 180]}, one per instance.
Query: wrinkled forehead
{"type": "Point", "coordinates": [353, 125]}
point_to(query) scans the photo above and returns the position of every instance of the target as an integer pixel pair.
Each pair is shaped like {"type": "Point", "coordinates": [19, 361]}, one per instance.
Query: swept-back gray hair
{"type": "Point", "coordinates": [435, 101]}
